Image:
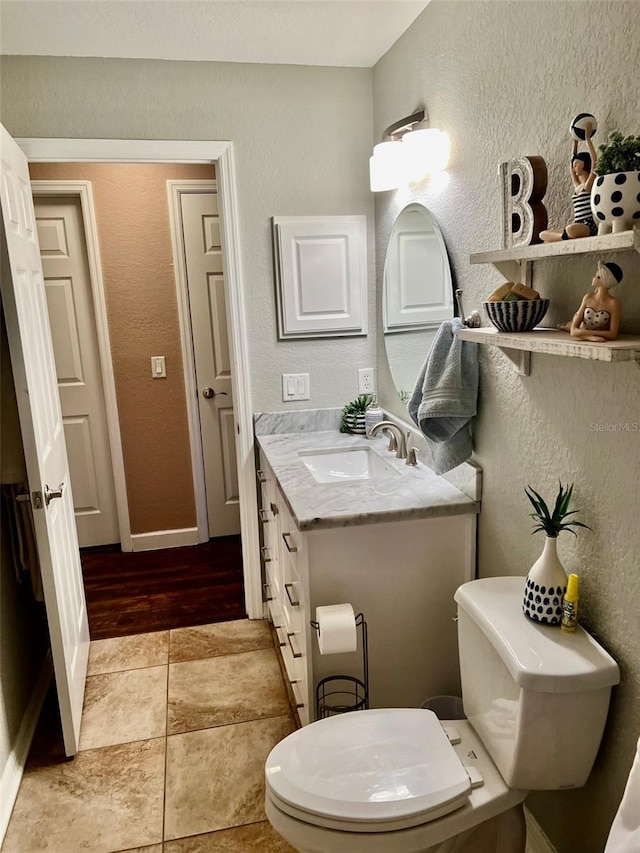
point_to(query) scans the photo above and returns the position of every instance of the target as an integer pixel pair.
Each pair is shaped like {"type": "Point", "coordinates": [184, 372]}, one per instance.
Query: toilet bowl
{"type": "Point", "coordinates": [397, 780]}
{"type": "Point", "coordinates": [390, 781]}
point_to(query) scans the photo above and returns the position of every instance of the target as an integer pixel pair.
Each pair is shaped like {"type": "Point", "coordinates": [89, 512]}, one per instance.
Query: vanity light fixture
{"type": "Point", "coordinates": [410, 150]}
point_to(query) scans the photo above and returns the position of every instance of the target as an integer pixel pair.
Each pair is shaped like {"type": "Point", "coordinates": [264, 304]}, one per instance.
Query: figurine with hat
{"type": "Point", "coordinates": [598, 317]}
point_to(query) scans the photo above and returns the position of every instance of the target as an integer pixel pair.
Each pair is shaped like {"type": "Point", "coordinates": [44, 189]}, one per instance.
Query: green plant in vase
{"type": "Point", "coordinates": [353, 420]}
{"type": "Point", "coordinates": [547, 581]}
{"type": "Point", "coordinates": [619, 154]}
{"type": "Point", "coordinates": [615, 201]}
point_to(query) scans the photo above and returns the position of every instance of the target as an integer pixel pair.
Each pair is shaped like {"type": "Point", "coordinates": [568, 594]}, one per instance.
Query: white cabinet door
{"type": "Point", "coordinates": [32, 359]}
{"type": "Point", "coordinates": [321, 267]}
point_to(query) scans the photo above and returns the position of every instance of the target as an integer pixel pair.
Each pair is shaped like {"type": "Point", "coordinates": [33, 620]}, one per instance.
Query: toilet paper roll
{"type": "Point", "coordinates": [336, 629]}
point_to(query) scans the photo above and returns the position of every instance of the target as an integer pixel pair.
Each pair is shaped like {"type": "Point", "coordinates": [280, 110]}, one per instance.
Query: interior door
{"type": "Point", "coordinates": [205, 284]}
{"type": "Point", "coordinates": [32, 359]}
{"type": "Point", "coordinates": [75, 345]}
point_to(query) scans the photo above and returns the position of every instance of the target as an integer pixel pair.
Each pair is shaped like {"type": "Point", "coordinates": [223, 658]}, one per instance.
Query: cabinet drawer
{"type": "Point", "coordinates": [290, 542]}
{"type": "Point", "coordinates": [300, 693]}
{"type": "Point", "coordinates": [292, 609]}
{"type": "Point", "coordinates": [272, 577]}
{"type": "Point", "coordinates": [293, 655]}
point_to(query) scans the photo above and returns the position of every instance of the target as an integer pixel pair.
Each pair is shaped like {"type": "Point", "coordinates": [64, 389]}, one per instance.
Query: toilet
{"type": "Point", "coordinates": [398, 780]}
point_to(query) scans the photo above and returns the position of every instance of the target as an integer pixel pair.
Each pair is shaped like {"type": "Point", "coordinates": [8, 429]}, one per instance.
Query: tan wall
{"type": "Point", "coordinates": [504, 79]}
{"type": "Point", "coordinates": [137, 265]}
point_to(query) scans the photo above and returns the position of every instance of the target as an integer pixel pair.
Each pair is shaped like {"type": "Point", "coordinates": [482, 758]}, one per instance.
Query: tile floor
{"type": "Point", "coordinates": [176, 727]}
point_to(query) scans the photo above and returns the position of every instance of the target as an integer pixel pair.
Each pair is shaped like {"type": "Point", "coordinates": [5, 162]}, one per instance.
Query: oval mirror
{"type": "Point", "coordinates": [417, 294]}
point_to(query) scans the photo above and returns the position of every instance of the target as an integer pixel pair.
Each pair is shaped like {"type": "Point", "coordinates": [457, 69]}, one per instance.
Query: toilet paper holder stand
{"type": "Point", "coordinates": [338, 694]}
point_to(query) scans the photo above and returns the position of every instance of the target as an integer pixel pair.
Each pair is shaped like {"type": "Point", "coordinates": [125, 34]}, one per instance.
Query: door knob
{"type": "Point", "coordinates": [50, 494]}
{"type": "Point", "coordinates": [209, 393]}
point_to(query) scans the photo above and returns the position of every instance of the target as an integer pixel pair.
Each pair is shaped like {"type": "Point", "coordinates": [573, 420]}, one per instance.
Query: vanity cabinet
{"type": "Point", "coordinates": [401, 575]}
{"type": "Point", "coordinates": [285, 598]}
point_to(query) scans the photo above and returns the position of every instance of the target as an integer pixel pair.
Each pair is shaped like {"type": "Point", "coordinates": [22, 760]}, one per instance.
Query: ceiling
{"type": "Point", "coordinates": [298, 32]}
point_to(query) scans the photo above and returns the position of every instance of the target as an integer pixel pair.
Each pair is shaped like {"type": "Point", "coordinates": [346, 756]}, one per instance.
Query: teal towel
{"type": "Point", "coordinates": [445, 397]}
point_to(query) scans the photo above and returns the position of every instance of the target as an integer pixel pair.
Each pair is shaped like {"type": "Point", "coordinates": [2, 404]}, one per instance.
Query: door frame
{"type": "Point", "coordinates": [82, 190]}
{"type": "Point", "coordinates": [221, 153]}
{"type": "Point", "coordinates": [174, 190]}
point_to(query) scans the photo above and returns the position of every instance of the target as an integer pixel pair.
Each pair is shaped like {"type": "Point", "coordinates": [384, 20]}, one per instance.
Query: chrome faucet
{"type": "Point", "coordinates": [398, 443]}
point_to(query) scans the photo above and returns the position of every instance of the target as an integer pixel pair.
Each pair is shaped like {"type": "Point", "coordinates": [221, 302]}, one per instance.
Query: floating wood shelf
{"type": "Point", "coordinates": [583, 246]}
{"type": "Point", "coordinates": [515, 263]}
{"type": "Point", "coordinates": [518, 346]}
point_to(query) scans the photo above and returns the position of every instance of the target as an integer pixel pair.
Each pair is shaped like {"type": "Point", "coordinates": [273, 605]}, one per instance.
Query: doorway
{"type": "Point", "coordinates": [42, 150]}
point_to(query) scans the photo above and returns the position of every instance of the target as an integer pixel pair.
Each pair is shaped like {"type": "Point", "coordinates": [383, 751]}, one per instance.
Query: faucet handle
{"type": "Point", "coordinates": [411, 457]}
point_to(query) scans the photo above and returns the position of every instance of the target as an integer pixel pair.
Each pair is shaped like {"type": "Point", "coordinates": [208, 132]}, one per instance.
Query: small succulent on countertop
{"type": "Point", "coordinates": [554, 522]}
{"type": "Point", "coordinates": [353, 414]}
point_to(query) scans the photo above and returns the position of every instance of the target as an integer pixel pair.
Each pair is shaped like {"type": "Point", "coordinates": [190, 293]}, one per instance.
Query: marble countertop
{"type": "Point", "coordinates": [416, 493]}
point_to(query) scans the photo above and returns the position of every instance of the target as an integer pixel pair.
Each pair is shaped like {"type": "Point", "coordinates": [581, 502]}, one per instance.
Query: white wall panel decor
{"type": "Point", "coordinates": [321, 275]}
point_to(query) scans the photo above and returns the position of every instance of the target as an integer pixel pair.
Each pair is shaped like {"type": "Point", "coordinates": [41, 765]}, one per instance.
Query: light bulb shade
{"type": "Point", "coordinates": [387, 166]}
{"type": "Point", "coordinates": [426, 152]}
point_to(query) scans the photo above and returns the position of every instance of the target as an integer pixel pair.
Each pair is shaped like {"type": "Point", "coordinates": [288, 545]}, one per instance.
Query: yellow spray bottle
{"type": "Point", "coordinates": [570, 605]}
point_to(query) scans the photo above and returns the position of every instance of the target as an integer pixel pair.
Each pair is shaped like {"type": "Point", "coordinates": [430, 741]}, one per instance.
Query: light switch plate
{"type": "Point", "coordinates": [158, 367]}
{"type": "Point", "coordinates": [295, 386]}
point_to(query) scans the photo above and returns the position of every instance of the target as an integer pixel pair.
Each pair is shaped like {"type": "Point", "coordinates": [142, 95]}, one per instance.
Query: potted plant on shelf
{"type": "Point", "coordinates": [615, 195]}
{"type": "Point", "coordinates": [547, 581]}
{"type": "Point", "coordinates": [353, 419]}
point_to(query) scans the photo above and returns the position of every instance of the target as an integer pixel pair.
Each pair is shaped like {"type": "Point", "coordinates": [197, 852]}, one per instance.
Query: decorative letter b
{"type": "Point", "coordinates": [524, 183]}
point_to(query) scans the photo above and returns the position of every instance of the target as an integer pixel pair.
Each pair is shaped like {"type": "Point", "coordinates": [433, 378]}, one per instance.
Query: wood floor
{"type": "Point", "coordinates": [135, 593]}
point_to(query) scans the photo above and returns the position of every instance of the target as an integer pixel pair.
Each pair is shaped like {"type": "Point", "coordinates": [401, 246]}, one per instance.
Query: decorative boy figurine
{"type": "Point", "coordinates": [598, 317]}
{"type": "Point", "coordinates": [583, 175]}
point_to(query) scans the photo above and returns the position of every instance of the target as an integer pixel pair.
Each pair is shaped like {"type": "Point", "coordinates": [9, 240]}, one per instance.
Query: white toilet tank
{"type": "Point", "coordinates": [537, 696]}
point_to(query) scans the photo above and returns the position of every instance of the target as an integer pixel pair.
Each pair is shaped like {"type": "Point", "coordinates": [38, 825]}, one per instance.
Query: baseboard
{"type": "Point", "coordinates": [537, 841]}
{"type": "Point", "coordinates": [164, 539]}
{"type": "Point", "coordinates": [14, 768]}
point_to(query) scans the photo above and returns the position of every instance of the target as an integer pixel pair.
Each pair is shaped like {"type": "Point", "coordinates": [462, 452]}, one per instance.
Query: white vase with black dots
{"type": "Point", "coordinates": [615, 202]}
{"type": "Point", "coordinates": [545, 586]}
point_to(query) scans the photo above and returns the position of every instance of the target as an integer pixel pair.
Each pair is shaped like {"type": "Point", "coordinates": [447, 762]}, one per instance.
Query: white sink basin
{"type": "Point", "coordinates": [341, 464]}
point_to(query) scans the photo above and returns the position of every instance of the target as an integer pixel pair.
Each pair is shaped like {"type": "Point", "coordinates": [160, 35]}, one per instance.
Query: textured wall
{"type": "Point", "coordinates": [504, 79]}
{"type": "Point", "coordinates": [132, 218]}
{"type": "Point", "coordinates": [302, 140]}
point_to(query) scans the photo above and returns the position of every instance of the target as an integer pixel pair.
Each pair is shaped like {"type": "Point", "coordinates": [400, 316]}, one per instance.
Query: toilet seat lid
{"type": "Point", "coordinates": [392, 766]}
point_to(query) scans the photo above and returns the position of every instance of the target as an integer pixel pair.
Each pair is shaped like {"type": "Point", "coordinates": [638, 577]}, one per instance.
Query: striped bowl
{"type": "Point", "coordinates": [520, 316]}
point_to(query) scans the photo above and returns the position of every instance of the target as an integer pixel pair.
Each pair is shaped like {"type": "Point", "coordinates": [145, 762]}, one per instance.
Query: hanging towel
{"type": "Point", "coordinates": [445, 397]}
{"type": "Point", "coordinates": [17, 518]}
{"type": "Point", "coordinates": [625, 830]}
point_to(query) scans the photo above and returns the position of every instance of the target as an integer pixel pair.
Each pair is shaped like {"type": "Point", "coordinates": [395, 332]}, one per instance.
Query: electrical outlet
{"type": "Point", "coordinates": [367, 380]}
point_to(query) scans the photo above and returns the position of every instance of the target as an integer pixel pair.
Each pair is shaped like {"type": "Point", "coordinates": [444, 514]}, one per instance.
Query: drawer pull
{"type": "Point", "coordinates": [274, 508]}
{"type": "Point", "coordinates": [262, 477]}
{"type": "Point", "coordinates": [265, 554]}
{"type": "Point", "coordinates": [264, 516]}
{"type": "Point", "coordinates": [288, 587]}
{"type": "Point", "coordinates": [293, 651]}
{"type": "Point", "coordinates": [290, 548]}
{"type": "Point", "coordinates": [267, 595]}
{"type": "Point", "coordinates": [279, 628]}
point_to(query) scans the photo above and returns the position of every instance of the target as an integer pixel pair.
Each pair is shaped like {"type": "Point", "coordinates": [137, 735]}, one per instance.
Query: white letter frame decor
{"type": "Point", "coordinates": [524, 216]}
{"type": "Point", "coordinates": [321, 275]}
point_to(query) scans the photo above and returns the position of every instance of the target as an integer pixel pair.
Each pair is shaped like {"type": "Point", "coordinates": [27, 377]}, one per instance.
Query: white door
{"type": "Point", "coordinates": [73, 329]}
{"type": "Point", "coordinates": [32, 359]}
{"type": "Point", "coordinates": [205, 284]}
